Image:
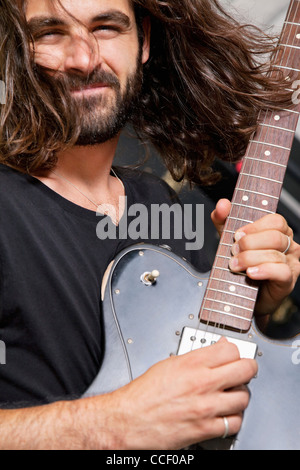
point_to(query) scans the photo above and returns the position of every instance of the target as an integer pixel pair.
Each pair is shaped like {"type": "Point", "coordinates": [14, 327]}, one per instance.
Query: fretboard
{"type": "Point", "coordinates": [230, 298]}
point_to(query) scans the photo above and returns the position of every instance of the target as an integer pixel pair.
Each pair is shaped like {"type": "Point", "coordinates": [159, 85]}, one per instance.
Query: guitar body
{"type": "Point", "coordinates": [144, 325]}
{"type": "Point", "coordinates": [146, 322]}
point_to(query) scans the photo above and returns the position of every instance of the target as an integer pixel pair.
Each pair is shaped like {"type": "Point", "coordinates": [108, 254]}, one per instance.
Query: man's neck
{"type": "Point", "coordinates": [83, 175]}
{"type": "Point", "coordinates": [90, 165]}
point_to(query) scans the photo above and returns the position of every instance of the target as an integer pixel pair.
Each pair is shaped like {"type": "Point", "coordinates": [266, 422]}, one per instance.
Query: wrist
{"type": "Point", "coordinates": [98, 423]}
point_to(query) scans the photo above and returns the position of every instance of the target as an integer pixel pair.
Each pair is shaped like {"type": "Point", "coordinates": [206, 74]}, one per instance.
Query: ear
{"type": "Point", "coordinates": [147, 39]}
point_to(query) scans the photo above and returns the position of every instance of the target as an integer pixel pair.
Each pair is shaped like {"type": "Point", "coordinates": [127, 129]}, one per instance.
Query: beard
{"type": "Point", "coordinates": [102, 116]}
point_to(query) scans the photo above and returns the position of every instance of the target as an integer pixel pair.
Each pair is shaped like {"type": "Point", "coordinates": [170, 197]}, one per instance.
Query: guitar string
{"type": "Point", "coordinates": [270, 115]}
{"type": "Point", "coordinates": [225, 323]}
{"type": "Point", "coordinates": [217, 325]}
{"type": "Point", "coordinates": [287, 58]}
{"type": "Point", "coordinates": [238, 212]}
{"type": "Point", "coordinates": [267, 115]}
{"type": "Point", "coordinates": [235, 221]}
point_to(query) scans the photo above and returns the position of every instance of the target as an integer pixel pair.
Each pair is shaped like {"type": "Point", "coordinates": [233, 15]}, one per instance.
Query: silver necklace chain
{"type": "Point", "coordinates": [79, 190]}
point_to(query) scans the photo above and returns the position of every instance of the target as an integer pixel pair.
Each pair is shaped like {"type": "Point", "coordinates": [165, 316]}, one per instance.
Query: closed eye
{"type": "Point", "coordinates": [107, 30]}
{"type": "Point", "coordinates": [48, 34]}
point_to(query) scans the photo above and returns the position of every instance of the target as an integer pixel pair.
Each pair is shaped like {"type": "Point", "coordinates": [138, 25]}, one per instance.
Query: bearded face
{"type": "Point", "coordinates": [104, 112]}
{"type": "Point", "coordinates": [93, 51]}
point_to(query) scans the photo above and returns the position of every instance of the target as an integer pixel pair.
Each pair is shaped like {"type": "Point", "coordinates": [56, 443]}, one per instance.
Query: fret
{"type": "Point", "coordinates": [286, 120]}
{"type": "Point", "coordinates": [262, 169]}
{"type": "Point", "coordinates": [289, 110]}
{"type": "Point", "coordinates": [288, 45]}
{"type": "Point", "coordinates": [286, 68]}
{"type": "Point", "coordinates": [224, 257]}
{"type": "Point", "coordinates": [278, 132]}
{"type": "Point", "coordinates": [261, 177]}
{"type": "Point", "coordinates": [229, 271]}
{"type": "Point", "coordinates": [271, 145]}
{"type": "Point", "coordinates": [257, 193]}
{"type": "Point", "coordinates": [233, 283]}
{"type": "Point", "coordinates": [226, 237]}
{"type": "Point", "coordinates": [241, 220]}
{"type": "Point", "coordinates": [232, 224]}
{"type": "Point", "coordinates": [291, 22]}
{"type": "Point", "coordinates": [229, 304]}
{"type": "Point", "coordinates": [265, 161]}
{"type": "Point", "coordinates": [238, 317]}
{"type": "Point", "coordinates": [276, 127]}
{"type": "Point", "coordinates": [252, 207]}
{"type": "Point", "coordinates": [223, 250]}
{"type": "Point", "coordinates": [231, 293]}
{"type": "Point", "coordinates": [254, 183]}
{"type": "Point", "coordinates": [253, 200]}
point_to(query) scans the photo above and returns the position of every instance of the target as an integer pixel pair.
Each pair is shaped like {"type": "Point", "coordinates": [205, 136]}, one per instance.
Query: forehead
{"type": "Point", "coordinates": [82, 10]}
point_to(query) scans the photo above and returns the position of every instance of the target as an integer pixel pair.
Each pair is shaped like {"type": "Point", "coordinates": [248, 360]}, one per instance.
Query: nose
{"type": "Point", "coordinates": [82, 55]}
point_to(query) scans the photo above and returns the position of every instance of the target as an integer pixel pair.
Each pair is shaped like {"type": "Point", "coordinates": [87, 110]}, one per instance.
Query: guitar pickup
{"type": "Point", "coordinates": [192, 339]}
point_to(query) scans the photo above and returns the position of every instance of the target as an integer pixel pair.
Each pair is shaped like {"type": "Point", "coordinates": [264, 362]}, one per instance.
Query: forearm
{"type": "Point", "coordinates": [168, 407]}
{"type": "Point", "coordinates": [85, 424]}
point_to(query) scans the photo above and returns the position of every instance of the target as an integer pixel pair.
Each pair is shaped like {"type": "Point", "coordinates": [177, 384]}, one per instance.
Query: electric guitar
{"type": "Point", "coordinates": [157, 305]}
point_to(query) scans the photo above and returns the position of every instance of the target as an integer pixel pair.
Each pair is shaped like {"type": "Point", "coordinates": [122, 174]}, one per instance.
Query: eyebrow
{"type": "Point", "coordinates": [38, 22]}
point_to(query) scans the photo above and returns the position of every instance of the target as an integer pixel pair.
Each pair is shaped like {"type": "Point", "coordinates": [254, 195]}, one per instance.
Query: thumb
{"type": "Point", "coordinates": [220, 214]}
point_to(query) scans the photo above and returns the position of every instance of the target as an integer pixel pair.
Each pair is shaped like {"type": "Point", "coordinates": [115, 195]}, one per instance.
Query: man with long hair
{"type": "Point", "coordinates": [186, 76]}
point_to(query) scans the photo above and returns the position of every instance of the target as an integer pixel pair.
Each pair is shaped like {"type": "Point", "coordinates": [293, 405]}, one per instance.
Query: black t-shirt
{"type": "Point", "coordinates": [52, 264]}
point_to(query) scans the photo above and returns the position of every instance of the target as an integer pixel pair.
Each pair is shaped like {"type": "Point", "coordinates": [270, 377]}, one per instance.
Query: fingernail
{"type": "Point", "coordinates": [239, 235]}
{"type": "Point", "coordinates": [234, 263]}
{"type": "Point", "coordinates": [235, 249]}
{"type": "Point", "coordinates": [252, 270]}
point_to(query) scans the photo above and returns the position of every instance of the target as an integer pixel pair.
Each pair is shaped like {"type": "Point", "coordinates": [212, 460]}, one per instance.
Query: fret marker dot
{"type": "Point", "coordinates": [245, 198]}
{"type": "Point", "coordinates": [232, 288]}
{"type": "Point", "coordinates": [277, 118]}
{"type": "Point", "coordinates": [267, 153]}
{"type": "Point", "coordinates": [265, 203]}
{"type": "Point", "coordinates": [227, 308]}
{"type": "Point", "coordinates": [298, 36]}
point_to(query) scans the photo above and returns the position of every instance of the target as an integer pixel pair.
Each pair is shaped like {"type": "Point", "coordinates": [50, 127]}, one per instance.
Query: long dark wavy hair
{"type": "Point", "coordinates": [203, 89]}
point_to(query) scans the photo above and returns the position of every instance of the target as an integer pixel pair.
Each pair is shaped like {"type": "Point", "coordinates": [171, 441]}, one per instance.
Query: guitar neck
{"type": "Point", "coordinates": [230, 298]}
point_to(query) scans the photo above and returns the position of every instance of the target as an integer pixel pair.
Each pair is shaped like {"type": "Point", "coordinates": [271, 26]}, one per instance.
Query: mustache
{"type": "Point", "coordinates": [74, 81]}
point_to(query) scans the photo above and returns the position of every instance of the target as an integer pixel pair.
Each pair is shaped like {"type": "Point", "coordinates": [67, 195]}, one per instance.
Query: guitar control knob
{"type": "Point", "coordinates": [150, 278]}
